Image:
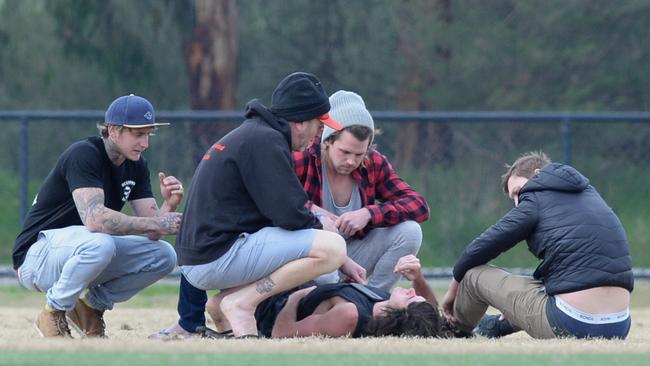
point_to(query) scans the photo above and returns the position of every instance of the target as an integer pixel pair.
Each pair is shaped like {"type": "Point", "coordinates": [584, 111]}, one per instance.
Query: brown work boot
{"type": "Point", "coordinates": [87, 321]}
{"type": "Point", "coordinates": [52, 323]}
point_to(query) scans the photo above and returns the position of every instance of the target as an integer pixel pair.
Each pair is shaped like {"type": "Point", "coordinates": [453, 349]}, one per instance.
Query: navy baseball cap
{"type": "Point", "coordinates": [131, 111]}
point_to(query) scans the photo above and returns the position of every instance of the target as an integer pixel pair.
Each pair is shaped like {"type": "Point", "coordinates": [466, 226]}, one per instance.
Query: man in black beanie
{"type": "Point", "coordinates": [246, 230]}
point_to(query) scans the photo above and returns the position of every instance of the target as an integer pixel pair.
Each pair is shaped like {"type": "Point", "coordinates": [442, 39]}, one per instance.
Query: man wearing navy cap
{"type": "Point", "coordinates": [74, 237]}
{"type": "Point", "coordinates": [246, 228]}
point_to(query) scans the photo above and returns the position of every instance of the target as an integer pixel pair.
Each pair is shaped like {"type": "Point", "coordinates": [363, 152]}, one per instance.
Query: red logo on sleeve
{"type": "Point", "coordinates": [217, 147]}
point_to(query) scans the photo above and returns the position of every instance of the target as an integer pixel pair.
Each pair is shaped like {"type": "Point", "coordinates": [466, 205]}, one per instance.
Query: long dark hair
{"type": "Point", "coordinates": [418, 319]}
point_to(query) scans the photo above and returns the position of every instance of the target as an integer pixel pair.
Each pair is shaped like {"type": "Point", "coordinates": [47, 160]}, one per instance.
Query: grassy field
{"type": "Point", "coordinates": [56, 358]}
{"type": "Point", "coordinates": [129, 324]}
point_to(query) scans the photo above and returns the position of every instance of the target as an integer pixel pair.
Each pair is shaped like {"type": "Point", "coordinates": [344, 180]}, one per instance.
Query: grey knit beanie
{"type": "Point", "coordinates": [349, 109]}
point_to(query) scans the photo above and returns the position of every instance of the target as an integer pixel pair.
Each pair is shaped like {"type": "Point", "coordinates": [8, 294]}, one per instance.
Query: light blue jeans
{"type": "Point", "coordinates": [64, 262]}
{"type": "Point", "coordinates": [251, 257]}
{"type": "Point", "coordinates": [379, 251]}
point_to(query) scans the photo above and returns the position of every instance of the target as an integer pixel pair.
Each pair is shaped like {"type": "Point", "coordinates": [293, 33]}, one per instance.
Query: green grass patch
{"type": "Point", "coordinates": [56, 358]}
{"type": "Point", "coordinates": [166, 295]}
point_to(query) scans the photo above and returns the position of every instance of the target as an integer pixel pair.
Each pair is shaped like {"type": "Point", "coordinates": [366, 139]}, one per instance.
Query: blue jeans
{"type": "Point", "coordinates": [64, 262]}
{"type": "Point", "coordinates": [191, 306]}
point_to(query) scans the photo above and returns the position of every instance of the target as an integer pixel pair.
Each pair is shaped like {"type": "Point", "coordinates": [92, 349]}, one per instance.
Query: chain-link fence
{"type": "Point", "coordinates": [455, 159]}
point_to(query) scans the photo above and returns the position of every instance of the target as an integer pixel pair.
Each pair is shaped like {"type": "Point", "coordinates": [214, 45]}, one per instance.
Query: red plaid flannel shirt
{"type": "Point", "coordinates": [389, 199]}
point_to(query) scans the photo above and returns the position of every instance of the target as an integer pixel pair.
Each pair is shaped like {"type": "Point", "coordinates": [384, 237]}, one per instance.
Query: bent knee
{"type": "Point", "coordinates": [474, 276]}
{"type": "Point", "coordinates": [411, 231]}
{"type": "Point", "coordinates": [405, 237]}
{"type": "Point", "coordinates": [165, 257]}
{"type": "Point", "coordinates": [329, 245]}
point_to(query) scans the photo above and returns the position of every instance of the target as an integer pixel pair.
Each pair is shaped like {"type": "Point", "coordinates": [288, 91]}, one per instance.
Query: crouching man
{"type": "Point", "coordinates": [75, 237]}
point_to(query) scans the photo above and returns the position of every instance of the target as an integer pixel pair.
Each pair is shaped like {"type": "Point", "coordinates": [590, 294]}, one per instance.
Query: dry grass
{"type": "Point", "coordinates": [128, 329]}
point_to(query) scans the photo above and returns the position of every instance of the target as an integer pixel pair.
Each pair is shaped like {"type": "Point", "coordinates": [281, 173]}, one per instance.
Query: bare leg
{"type": "Point", "coordinates": [327, 254]}
{"type": "Point", "coordinates": [213, 307]}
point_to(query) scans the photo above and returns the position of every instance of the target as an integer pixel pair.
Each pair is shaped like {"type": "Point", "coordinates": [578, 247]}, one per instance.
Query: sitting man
{"type": "Point", "coordinates": [354, 185]}
{"type": "Point", "coordinates": [75, 237]}
{"type": "Point", "coordinates": [347, 309]}
{"type": "Point", "coordinates": [582, 286]}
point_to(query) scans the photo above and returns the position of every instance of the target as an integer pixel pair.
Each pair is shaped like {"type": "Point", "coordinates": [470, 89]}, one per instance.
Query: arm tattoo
{"type": "Point", "coordinates": [145, 207]}
{"type": "Point", "coordinates": [265, 285]}
{"type": "Point", "coordinates": [90, 204]}
{"type": "Point", "coordinates": [93, 213]}
{"type": "Point", "coordinates": [168, 222]}
{"type": "Point", "coordinates": [119, 224]}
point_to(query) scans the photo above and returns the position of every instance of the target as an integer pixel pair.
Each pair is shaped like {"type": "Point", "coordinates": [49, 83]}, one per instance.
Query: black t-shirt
{"type": "Point", "coordinates": [84, 164]}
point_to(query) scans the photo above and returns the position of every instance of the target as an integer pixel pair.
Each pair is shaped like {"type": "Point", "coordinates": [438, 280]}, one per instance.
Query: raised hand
{"type": "Point", "coordinates": [171, 189]}
{"type": "Point", "coordinates": [409, 266]}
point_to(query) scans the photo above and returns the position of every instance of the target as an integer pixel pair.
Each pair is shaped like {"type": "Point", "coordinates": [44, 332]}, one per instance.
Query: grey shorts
{"type": "Point", "coordinates": [252, 256]}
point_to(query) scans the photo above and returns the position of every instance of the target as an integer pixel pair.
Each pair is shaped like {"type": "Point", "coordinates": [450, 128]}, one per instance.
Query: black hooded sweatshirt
{"type": "Point", "coordinates": [244, 182]}
{"type": "Point", "coordinates": [568, 226]}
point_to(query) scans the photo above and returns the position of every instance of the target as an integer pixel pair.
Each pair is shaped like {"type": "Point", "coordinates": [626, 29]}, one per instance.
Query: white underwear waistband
{"type": "Point", "coordinates": [581, 316]}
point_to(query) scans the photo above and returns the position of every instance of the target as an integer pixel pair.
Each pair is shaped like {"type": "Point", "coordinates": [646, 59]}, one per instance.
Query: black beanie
{"type": "Point", "coordinates": [299, 97]}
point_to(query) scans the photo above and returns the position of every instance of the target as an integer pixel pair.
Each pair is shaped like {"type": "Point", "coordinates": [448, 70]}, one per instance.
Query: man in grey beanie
{"type": "Point", "coordinates": [354, 185]}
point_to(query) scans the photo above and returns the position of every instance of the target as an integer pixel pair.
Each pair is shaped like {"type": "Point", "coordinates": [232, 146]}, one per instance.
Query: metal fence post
{"type": "Point", "coordinates": [567, 139]}
{"type": "Point", "coordinates": [23, 161]}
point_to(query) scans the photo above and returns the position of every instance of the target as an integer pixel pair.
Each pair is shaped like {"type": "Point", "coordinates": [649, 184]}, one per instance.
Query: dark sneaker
{"type": "Point", "coordinates": [492, 326]}
{"type": "Point", "coordinates": [87, 321]}
{"type": "Point", "coordinates": [449, 331]}
{"type": "Point", "coordinates": [52, 324]}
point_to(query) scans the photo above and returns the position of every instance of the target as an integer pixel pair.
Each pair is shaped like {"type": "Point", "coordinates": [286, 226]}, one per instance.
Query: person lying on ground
{"type": "Point", "coordinates": [347, 309]}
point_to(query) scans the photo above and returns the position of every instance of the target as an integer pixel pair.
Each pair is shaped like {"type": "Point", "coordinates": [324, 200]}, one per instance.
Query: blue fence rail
{"type": "Point", "coordinates": [566, 121]}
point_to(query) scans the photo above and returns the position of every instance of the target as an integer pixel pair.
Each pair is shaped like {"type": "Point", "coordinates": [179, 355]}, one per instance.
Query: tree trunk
{"type": "Point", "coordinates": [212, 57]}
{"type": "Point", "coordinates": [420, 143]}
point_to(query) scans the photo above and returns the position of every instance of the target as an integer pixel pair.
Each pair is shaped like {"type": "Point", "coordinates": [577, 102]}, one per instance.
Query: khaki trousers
{"type": "Point", "coordinates": [521, 299]}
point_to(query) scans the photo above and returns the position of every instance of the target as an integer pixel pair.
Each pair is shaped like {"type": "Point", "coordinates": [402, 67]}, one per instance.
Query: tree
{"type": "Point", "coordinates": [425, 50]}
{"type": "Point", "coordinates": [212, 56]}
{"type": "Point", "coordinates": [130, 46]}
